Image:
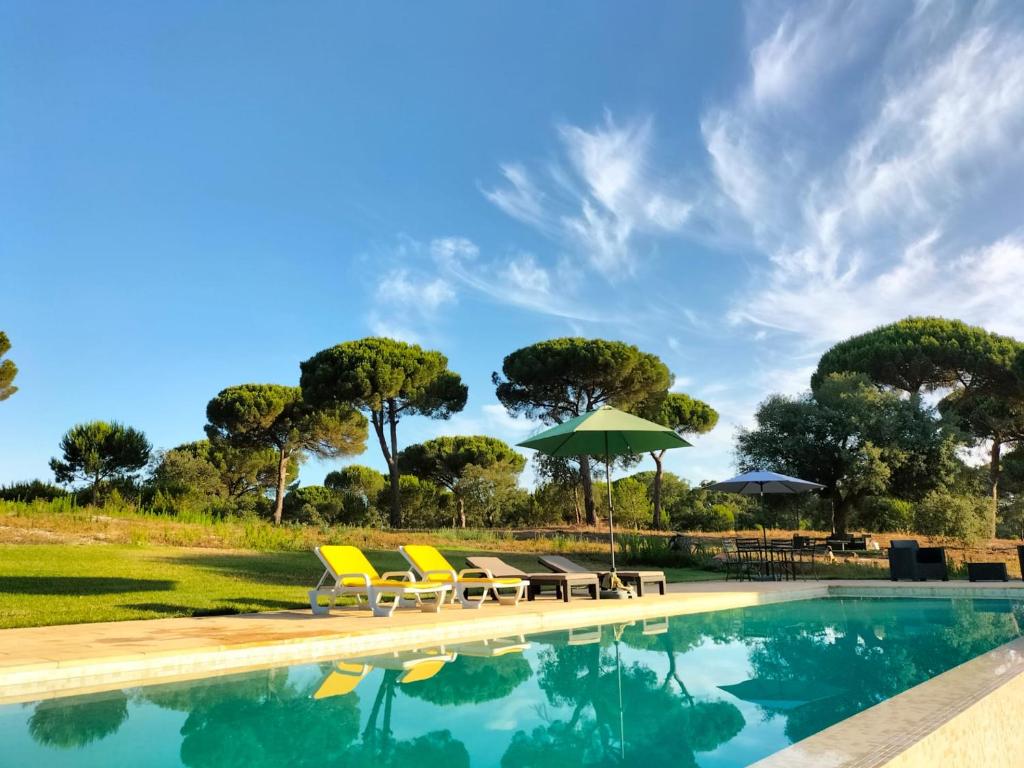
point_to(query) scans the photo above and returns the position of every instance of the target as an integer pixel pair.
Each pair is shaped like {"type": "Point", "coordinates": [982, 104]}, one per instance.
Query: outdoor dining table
{"type": "Point", "coordinates": [775, 560]}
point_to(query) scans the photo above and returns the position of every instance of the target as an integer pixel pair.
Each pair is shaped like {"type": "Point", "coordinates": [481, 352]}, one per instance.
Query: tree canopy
{"type": "Point", "coordinates": [558, 379]}
{"type": "Point", "coordinates": [8, 370]}
{"type": "Point", "coordinates": [445, 460]}
{"type": "Point", "coordinates": [277, 416]}
{"type": "Point", "coordinates": [207, 472]}
{"type": "Point", "coordinates": [388, 379]}
{"type": "Point", "coordinates": [853, 438]}
{"type": "Point", "coordinates": [361, 489]}
{"type": "Point", "coordinates": [924, 354]}
{"type": "Point", "coordinates": [98, 451]}
{"type": "Point", "coordinates": [920, 354]}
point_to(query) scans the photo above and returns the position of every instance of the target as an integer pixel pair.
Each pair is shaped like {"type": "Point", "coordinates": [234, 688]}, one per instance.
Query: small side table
{"type": "Point", "coordinates": [987, 572]}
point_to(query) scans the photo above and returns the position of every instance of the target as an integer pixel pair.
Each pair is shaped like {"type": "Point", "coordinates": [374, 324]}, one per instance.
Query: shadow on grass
{"type": "Point", "coordinates": [280, 568]}
{"type": "Point", "coordinates": [235, 605]}
{"type": "Point", "coordinates": [80, 585]}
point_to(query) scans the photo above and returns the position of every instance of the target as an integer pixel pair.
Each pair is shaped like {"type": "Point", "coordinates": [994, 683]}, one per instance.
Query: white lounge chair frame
{"type": "Point", "coordinates": [376, 595]}
{"type": "Point", "coordinates": [505, 594]}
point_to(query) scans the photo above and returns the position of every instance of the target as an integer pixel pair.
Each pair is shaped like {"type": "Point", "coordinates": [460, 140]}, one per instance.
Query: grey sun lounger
{"type": "Point", "coordinates": [639, 579]}
{"type": "Point", "coordinates": [563, 583]}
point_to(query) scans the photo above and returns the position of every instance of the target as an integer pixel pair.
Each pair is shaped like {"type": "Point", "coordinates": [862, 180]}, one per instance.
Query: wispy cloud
{"type": "Point", "coordinates": [518, 280]}
{"type": "Point", "coordinates": [423, 294]}
{"type": "Point", "coordinates": [408, 299]}
{"type": "Point", "coordinates": [905, 213]}
{"type": "Point", "coordinates": [600, 199]}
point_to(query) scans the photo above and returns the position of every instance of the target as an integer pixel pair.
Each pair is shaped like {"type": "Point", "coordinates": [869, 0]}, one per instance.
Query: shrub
{"type": "Point", "coordinates": [965, 519]}
{"type": "Point", "coordinates": [30, 491]}
{"type": "Point", "coordinates": [424, 505]}
{"type": "Point", "coordinates": [632, 507]}
{"type": "Point", "coordinates": [716, 517]}
{"type": "Point", "coordinates": [885, 513]}
{"type": "Point", "coordinates": [314, 504]}
{"type": "Point", "coordinates": [634, 549]}
{"type": "Point", "coordinates": [1011, 518]}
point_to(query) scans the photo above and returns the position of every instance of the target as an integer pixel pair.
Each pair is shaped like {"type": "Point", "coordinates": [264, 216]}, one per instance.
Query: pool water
{"type": "Point", "coordinates": [714, 689]}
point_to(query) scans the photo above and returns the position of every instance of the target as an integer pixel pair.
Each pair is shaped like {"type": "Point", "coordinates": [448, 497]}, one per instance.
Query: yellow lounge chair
{"type": "Point", "coordinates": [433, 568]}
{"type": "Point", "coordinates": [353, 574]}
{"type": "Point", "coordinates": [342, 680]}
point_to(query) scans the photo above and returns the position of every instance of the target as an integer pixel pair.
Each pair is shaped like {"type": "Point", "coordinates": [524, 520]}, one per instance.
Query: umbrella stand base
{"type": "Point", "coordinates": [617, 594]}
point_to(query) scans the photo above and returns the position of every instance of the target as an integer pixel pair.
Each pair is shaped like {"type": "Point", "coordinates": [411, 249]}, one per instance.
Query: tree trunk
{"type": "Point", "coordinates": [588, 490]}
{"type": "Point", "coordinates": [282, 481]}
{"type": "Point", "coordinates": [576, 504]}
{"type": "Point", "coordinates": [462, 511]}
{"type": "Point", "coordinates": [396, 486]}
{"type": "Point", "coordinates": [841, 515]}
{"type": "Point", "coordinates": [96, 490]}
{"type": "Point", "coordinates": [659, 471]}
{"type": "Point", "coordinates": [377, 419]}
{"type": "Point", "coordinates": [994, 471]}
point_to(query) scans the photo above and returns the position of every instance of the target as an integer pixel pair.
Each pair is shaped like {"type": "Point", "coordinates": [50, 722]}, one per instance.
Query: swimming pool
{"type": "Point", "coordinates": [714, 689]}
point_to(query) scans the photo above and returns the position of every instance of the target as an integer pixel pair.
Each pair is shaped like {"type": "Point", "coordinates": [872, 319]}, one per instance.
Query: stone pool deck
{"type": "Point", "coordinates": [934, 723]}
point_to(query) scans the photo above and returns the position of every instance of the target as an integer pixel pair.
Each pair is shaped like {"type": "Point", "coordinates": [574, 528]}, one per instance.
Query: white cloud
{"type": "Point", "coordinates": [519, 198]}
{"type": "Point", "coordinates": [518, 280]}
{"type": "Point", "coordinates": [423, 294]}
{"type": "Point", "coordinates": [602, 199]}
{"type": "Point", "coordinates": [408, 300]}
{"type": "Point", "coordinates": [380, 326]}
{"type": "Point", "coordinates": [893, 203]}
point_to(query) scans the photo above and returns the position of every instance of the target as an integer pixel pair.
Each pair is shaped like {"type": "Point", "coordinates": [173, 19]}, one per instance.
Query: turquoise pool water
{"type": "Point", "coordinates": [717, 689]}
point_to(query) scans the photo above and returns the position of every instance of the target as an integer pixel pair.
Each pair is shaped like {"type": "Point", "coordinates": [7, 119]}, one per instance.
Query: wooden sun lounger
{"type": "Point", "coordinates": [639, 579]}
{"type": "Point", "coordinates": [563, 583]}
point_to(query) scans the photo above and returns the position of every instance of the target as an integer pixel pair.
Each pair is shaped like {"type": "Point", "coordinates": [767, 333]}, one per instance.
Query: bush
{"type": "Point", "coordinates": [1011, 518]}
{"type": "Point", "coordinates": [30, 491]}
{"type": "Point", "coordinates": [716, 517]}
{"type": "Point", "coordinates": [632, 507]}
{"type": "Point", "coordinates": [965, 519]}
{"type": "Point", "coordinates": [634, 549]}
{"type": "Point", "coordinates": [313, 504]}
{"type": "Point", "coordinates": [554, 503]}
{"type": "Point", "coordinates": [424, 505]}
{"type": "Point", "coordinates": [885, 513]}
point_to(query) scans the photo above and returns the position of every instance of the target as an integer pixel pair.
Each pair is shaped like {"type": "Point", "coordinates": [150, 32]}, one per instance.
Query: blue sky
{"type": "Point", "coordinates": [196, 195]}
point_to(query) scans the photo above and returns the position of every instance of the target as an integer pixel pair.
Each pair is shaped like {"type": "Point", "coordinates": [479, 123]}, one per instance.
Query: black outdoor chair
{"type": "Point", "coordinates": [907, 560]}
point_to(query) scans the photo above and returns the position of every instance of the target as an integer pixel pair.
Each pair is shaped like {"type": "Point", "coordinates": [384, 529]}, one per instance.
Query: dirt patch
{"type": "Point", "coordinates": [10, 534]}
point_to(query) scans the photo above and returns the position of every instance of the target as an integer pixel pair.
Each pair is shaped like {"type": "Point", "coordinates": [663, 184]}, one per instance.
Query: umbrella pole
{"type": "Point", "coordinates": [622, 714]}
{"type": "Point", "coordinates": [608, 482]}
{"type": "Point", "coordinates": [764, 516]}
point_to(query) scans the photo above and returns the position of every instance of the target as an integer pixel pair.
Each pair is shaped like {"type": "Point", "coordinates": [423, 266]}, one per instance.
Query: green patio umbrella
{"type": "Point", "coordinates": [605, 432]}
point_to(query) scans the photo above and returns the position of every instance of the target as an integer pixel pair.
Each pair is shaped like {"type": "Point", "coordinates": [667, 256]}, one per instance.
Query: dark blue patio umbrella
{"type": "Point", "coordinates": [761, 482]}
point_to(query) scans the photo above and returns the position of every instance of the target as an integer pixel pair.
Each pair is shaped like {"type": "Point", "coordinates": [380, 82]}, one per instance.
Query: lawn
{"type": "Point", "coordinates": [44, 584]}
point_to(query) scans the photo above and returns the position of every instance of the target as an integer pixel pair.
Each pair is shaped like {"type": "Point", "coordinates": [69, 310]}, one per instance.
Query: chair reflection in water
{"type": "Point", "coordinates": [410, 666]}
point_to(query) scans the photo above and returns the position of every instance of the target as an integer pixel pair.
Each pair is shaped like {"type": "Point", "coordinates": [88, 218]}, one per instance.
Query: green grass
{"type": "Point", "coordinates": [43, 584]}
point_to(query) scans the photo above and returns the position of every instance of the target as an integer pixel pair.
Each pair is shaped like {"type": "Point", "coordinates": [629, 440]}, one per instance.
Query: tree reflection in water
{"type": "Point", "coordinates": [74, 722]}
{"type": "Point", "coordinates": [656, 724]}
{"type": "Point", "coordinates": [862, 653]}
